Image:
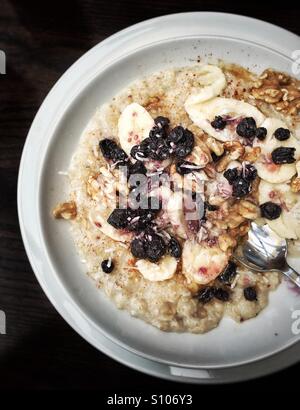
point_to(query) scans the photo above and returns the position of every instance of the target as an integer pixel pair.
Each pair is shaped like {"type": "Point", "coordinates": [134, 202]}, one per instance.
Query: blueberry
{"type": "Point", "coordinates": [137, 248]}
{"type": "Point", "coordinates": [111, 151]}
{"type": "Point", "coordinates": [246, 128]}
{"type": "Point", "coordinates": [270, 211]}
{"type": "Point", "coordinates": [240, 187]}
{"type": "Point", "coordinates": [186, 167]}
{"type": "Point", "coordinates": [119, 218]}
{"type": "Point", "coordinates": [283, 155]}
{"type": "Point", "coordinates": [157, 132]}
{"type": "Point", "coordinates": [186, 144]}
{"type": "Point", "coordinates": [162, 122]}
{"type": "Point", "coordinates": [231, 175]}
{"type": "Point", "coordinates": [221, 294]}
{"type": "Point", "coordinates": [250, 293]}
{"type": "Point", "coordinates": [158, 149]}
{"type": "Point", "coordinates": [155, 247]}
{"type": "Point", "coordinates": [219, 123]}
{"type": "Point", "coordinates": [140, 220]}
{"type": "Point", "coordinates": [176, 134]}
{"type": "Point", "coordinates": [261, 133]}
{"type": "Point", "coordinates": [250, 172]}
{"type": "Point", "coordinates": [163, 152]}
{"type": "Point", "coordinates": [141, 151]}
{"type": "Point", "coordinates": [228, 274]}
{"type": "Point", "coordinates": [137, 168]}
{"type": "Point", "coordinates": [206, 294]}
{"type": "Point", "coordinates": [282, 134]}
{"type": "Point", "coordinates": [174, 248]}
{"type": "Point", "coordinates": [107, 265]}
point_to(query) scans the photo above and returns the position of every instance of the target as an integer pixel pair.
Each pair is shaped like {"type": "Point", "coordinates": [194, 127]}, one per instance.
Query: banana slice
{"type": "Point", "coordinates": [202, 264]}
{"type": "Point", "coordinates": [156, 272]}
{"type": "Point", "coordinates": [211, 80]}
{"type": "Point", "coordinates": [134, 125]}
{"type": "Point", "coordinates": [266, 168]}
{"type": "Point", "coordinates": [203, 113]}
{"type": "Point", "coordinates": [287, 225]}
{"type": "Point", "coordinates": [176, 215]}
{"type": "Point", "coordinates": [98, 220]}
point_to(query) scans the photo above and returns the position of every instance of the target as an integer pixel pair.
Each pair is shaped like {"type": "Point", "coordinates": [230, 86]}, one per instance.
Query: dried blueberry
{"type": "Point", "coordinates": [176, 134]}
{"type": "Point", "coordinates": [246, 128]}
{"type": "Point", "coordinates": [137, 168]}
{"type": "Point", "coordinates": [240, 187]}
{"type": "Point", "coordinates": [250, 172]}
{"type": "Point", "coordinates": [206, 294]}
{"type": "Point", "coordinates": [283, 155]}
{"type": "Point", "coordinates": [140, 220]}
{"type": "Point", "coordinates": [157, 132]}
{"type": "Point", "coordinates": [185, 146]}
{"type": "Point", "coordinates": [261, 133]}
{"type": "Point", "coordinates": [111, 151]}
{"type": "Point", "coordinates": [228, 274]}
{"type": "Point", "coordinates": [155, 247]}
{"type": "Point", "coordinates": [219, 123]}
{"type": "Point", "coordinates": [162, 122]}
{"type": "Point", "coordinates": [119, 218]}
{"type": "Point", "coordinates": [107, 265]}
{"type": "Point", "coordinates": [231, 174]}
{"type": "Point", "coordinates": [270, 211]}
{"type": "Point", "coordinates": [174, 248]}
{"type": "Point", "coordinates": [141, 151]}
{"type": "Point", "coordinates": [137, 248]}
{"type": "Point", "coordinates": [158, 149]}
{"type": "Point", "coordinates": [282, 134]}
{"type": "Point", "coordinates": [250, 293]}
{"type": "Point", "coordinates": [186, 167]}
{"type": "Point", "coordinates": [221, 294]}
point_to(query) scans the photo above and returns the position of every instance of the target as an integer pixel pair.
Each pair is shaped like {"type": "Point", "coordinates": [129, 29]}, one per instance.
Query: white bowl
{"type": "Point", "coordinates": [169, 41]}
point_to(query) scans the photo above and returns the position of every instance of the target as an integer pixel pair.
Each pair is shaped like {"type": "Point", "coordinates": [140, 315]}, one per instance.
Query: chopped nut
{"type": "Point", "coordinates": [248, 210]}
{"type": "Point", "coordinates": [235, 221]}
{"type": "Point", "coordinates": [92, 186]}
{"type": "Point", "coordinates": [251, 154]}
{"type": "Point", "coordinates": [226, 242]}
{"type": "Point", "coordinates": [295, 184]}
{"type": "Point", "coordinates": [234, 150]}
{"type": "Point", "coordinates": [280, 90]}
{"type": "Point", "coordinates": [241, 230]}
{"type": "Point", "coordinates": [215, 146]}
{"type": "Point", "coordinates": [65, 210]}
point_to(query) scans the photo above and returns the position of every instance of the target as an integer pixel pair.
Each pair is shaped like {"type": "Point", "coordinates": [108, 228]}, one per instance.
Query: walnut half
{"type": "Point", "coordinates": [65, 210]}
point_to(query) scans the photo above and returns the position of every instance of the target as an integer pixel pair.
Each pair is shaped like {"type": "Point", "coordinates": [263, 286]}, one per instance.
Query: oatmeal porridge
{"type": "Point", "coordinates": [165, 182]}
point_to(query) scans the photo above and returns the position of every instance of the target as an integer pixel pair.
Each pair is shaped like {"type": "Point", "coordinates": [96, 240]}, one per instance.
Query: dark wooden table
{"type": "Point", "coordinates": [41, 40]}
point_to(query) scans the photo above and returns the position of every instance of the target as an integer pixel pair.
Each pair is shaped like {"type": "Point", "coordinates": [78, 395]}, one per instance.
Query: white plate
{"type": "Point", "coordinates": [168, 41]}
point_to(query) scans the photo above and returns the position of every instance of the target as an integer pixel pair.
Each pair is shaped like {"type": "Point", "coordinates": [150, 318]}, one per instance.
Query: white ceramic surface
{"type": "Point", "coordinates": [168, 41]}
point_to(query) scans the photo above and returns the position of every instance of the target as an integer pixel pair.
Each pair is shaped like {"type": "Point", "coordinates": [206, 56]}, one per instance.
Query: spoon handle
{"type": "Point", "coordinates": [291, 274]}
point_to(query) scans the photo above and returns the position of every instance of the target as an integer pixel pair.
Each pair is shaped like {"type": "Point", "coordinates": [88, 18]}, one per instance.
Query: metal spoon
{"type": "Point", "coordinates": [265, 251]}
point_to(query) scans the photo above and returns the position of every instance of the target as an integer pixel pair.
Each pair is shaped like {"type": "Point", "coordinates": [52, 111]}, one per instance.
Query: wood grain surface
{"type": "Point", "coordinates": [41, 40]}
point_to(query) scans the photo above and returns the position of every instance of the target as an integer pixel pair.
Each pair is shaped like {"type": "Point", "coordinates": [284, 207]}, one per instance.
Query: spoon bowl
{"type": "Point", "coordinates": [265, 251]}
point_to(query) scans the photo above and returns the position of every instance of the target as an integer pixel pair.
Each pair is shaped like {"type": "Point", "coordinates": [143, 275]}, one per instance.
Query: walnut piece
{"type": "Point", "coordinates": [234, 150]}
{"type": "Point", "coordinates": [295, 185]}
{"type": "Point", "coordinates": [215, 146]}
{"type": "Point", "coordinates": [65, 210]}
{"type": "Point", "coordinates": [226, 242]}
{"type": "Point", "coordinates": [251, 154]}
{"type": "Point", "coordinates": [280, 90]}
{"type": "Point", "coordinates": [248, 210]}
